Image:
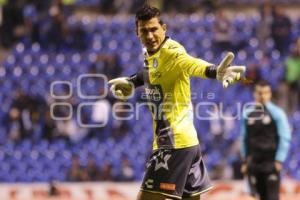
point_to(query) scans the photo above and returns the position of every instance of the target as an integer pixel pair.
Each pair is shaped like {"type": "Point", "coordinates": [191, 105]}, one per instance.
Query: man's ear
{"type": "Point", "coordinates": [164, 26]}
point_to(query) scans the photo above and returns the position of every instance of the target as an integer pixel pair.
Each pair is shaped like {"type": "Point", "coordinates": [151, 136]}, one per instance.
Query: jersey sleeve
{"type": "Point", "coordinates": [284, 137]}
{"type": "Point", "coordinates": [191, 65]}
{"type": "Point", "coordinates": [283, 131]}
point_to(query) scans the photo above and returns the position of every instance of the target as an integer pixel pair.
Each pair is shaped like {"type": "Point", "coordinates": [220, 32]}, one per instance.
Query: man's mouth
{"type": "Point", "coordinates": [153, 43]}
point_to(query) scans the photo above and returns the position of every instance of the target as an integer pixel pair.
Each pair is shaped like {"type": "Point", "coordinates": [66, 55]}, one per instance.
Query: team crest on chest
{"type": "Point", "coordinates": [266, 119]}
{"type": "Point", "coordinates": [155, 63]}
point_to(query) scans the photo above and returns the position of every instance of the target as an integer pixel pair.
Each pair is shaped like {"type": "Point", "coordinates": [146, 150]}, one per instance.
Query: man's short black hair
{"type": "Point", "coordinates": [263, 83]}
{"type": "Point", "coordinates": [147, 12]}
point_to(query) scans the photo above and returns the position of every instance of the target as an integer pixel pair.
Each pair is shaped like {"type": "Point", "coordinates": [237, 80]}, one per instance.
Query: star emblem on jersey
{"type": "Point", "coordinates": [161, 161]}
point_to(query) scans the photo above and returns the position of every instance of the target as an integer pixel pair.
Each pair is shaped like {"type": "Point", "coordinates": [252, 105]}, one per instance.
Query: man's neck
{"type": "Point", "coordinates": [150, 53]}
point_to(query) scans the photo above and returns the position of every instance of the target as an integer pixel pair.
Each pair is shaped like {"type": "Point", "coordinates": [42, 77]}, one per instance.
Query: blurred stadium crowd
{"type": "Point", "coordinates": [49, 41]}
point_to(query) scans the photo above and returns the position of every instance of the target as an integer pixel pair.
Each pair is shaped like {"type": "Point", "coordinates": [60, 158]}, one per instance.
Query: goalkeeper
{"type": "Point", "coordinates": [175, 169]}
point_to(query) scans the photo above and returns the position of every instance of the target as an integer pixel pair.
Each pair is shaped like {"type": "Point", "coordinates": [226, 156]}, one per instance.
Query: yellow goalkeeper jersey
{"type": "Point", "coordinates": [167, 89]}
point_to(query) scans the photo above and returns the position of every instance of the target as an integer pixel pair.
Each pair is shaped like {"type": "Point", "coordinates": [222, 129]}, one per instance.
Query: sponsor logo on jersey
{"type": "Point", "coordinates": [167, 186]}
{"type": "Point", "coordinates": [273, 177]}
{"type": "Point", "coordinates": [153, 93]}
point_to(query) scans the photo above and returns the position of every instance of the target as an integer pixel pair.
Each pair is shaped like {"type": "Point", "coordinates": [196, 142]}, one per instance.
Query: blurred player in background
{"type": "Point", "coordinates": [175, 169]}
{"type": "Point", "coordinates": [265, 141]}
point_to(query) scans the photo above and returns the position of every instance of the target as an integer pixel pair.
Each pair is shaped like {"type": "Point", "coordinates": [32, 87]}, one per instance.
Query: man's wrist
{"type": "Point", "coordinates": [136, 79]}
{"type": "Point", "coordinates": [211, 72]}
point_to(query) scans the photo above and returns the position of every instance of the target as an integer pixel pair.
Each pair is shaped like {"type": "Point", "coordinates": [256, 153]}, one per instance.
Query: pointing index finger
{"type": "Point", "coordinates": [226, 61]}
{"type": "Point", "coordinates": [121, 80]}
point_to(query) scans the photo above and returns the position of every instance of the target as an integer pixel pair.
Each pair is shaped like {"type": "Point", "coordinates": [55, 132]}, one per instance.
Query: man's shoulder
{"type": "Point", "coordinates": [275, 110]}
{"type": "Point", "coordinates": [172, 44]}
{"type": "Point", "coordinates": [172, 47]}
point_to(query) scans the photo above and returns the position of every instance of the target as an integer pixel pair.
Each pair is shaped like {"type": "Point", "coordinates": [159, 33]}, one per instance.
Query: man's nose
{"type": "Point", "coordinates": [149, 35]}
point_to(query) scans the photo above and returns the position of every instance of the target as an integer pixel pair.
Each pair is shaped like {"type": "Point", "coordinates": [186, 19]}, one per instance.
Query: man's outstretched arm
{"type": "Point", "coordinates": [223, 72]}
